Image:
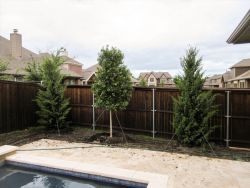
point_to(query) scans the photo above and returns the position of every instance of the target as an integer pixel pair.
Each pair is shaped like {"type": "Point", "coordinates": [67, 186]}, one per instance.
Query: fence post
{"type": "Point", "coordinates": [153, 110]}
{"type": "Point", "coordinates": [227, 116]}
{"type": "Point", "coordinates": [93, 111]}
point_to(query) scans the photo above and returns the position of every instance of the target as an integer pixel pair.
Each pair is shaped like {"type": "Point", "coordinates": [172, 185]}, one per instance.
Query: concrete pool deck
{"type": "Point", "coordinates": [80, 169]}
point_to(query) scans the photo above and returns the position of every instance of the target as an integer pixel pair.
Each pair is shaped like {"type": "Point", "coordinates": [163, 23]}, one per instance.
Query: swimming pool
{"type": "Point", "coordinates": [44, 171]}
{"type": "Point", "coordinates": [15, 177]}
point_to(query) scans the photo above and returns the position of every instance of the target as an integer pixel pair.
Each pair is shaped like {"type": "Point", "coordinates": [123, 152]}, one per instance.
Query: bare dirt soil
{"type": "Point", "coordinates": [183, 170]}
{"type": "Point", "coordinates": [186, 167]}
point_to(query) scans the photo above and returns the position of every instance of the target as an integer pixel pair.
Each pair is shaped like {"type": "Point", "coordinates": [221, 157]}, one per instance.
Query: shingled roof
{"type": "Point", "coordinates": [242, 63]}
{"type": "Point", "coordinates": [87, 73]}
{"type": "Point", "coordinates": [157, 75]}
{"type": "Point", "coordinates": [16, 66]}
{"type": "Point", "coordinates": [227, 76]}
{"type": "Point", "coordinates": [5, 49]}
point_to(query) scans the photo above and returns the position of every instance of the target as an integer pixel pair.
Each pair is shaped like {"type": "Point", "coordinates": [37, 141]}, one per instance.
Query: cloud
{"type": "Point", "coordinates": [152, 34]}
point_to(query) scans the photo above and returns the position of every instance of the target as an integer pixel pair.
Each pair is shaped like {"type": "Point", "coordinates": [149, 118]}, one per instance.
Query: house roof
{"type": "Point", "coordinates": [17, 66]}
{"type": "Point", "coordinates": [215, 78]}
{"type": "Point", "coordinates": [5, 49]}
{"type": "Point", "coordinates": [241, 34]}
{"type": "Point", "coordinates": [244, 76]}
{"type": "Point", "coordinates": [242, 63]}
{"type": "Point", "coordinates": [134, 80]}
{"type": "Point", "coordinates": [227, 76]}
{"type": "Point", "coordinates": [156, 74]}
{"type": "Point", "coordinates": [87, 73]}
{"type": "Point", "coordinates": [69, 60]}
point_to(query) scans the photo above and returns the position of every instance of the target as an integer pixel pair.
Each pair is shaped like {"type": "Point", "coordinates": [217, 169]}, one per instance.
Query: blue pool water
{"type": "Point", "coordinates": [12, 177]}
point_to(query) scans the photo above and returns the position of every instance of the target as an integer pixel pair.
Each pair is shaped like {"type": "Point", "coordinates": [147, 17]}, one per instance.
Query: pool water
{"type": "Point", "coordinates": [12, 177]}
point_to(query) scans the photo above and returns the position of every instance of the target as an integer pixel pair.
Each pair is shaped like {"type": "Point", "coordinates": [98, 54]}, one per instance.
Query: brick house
{"type": "Point", "coordinates": [17, 58]}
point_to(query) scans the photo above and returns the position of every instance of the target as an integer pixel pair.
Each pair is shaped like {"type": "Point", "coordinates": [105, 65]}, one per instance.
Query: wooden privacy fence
{"type": "Point", "coordinates": [151, 110]}
{"type": "Point", "coordinates": [17, 108]}
{"type": "Point", "coordinates": [17, 111]}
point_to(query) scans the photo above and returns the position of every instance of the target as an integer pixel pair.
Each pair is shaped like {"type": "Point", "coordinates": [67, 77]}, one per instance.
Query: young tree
{"type": "Point", "coordinates": [112, 87]}
{"type": "Point", "coordinates": [193, 108]}
{"type": "Point", "coordinates": [53, 106]}
{"type": "Point", "coordinates": [143, 83]}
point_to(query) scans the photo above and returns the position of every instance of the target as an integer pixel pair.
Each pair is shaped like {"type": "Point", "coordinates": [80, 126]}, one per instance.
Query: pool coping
{"type": "Point", "coordinates": [85, 170]}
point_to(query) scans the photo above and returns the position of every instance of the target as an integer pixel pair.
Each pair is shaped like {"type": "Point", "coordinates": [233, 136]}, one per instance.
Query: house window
{"type": "Point", "coordinates": [72, 82]}
{"type": "Point", "coordinates": [242, 84]}
{"type": "Point", "coordinates": [151, 79]}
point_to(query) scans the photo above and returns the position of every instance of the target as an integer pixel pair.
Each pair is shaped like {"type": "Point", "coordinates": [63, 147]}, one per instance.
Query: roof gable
{"type": "Point", "coordinates": [242, 63]}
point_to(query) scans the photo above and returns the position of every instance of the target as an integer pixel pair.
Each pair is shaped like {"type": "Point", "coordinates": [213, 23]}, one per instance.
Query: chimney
{"type": "Point", "coordinates": [64, 52]}
{"type": "Point", "coordinates": [16, 44]}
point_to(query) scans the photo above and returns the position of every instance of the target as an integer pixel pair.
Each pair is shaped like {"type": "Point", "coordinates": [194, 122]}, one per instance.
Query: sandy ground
{"type": "Point", "coordinates": [183, 170]}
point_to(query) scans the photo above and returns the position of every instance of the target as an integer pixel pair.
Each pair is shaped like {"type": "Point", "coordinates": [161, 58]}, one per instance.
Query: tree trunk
{"type": "Point", "coordinates": [110, 118]}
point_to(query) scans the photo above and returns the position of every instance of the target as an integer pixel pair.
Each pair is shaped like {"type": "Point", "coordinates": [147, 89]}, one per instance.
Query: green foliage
{"type": "Point", "coordinates": [53, 107]}
{"type": "Point", "coordinates": [3, 68]}
{"type": "Point", "coordinates": [34, 72]}
{"type": "Point", "coordinates": [112, 86]}
{"type": "Point", "coordinates": [194, 108]}
{"type": "Point", "coordinates": [143, 83]}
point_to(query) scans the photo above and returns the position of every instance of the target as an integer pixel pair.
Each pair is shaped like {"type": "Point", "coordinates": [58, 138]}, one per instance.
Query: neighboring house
{"type": "Point", "coordinates": [241, 81]}
{"type": "Point", "coordinates": [18, 57]}
{"type": "Point", "coordinates": [240, 67]}
{"type": "Point", "coordinates": [89, 76]}
{"type": "Point", "coordinates": [239, 75]}
{"type": "Point", "coordinates": [215, 81]}
{"type": "Point", "coordinates": [241, 71]}
{"type": "Point", "coordinates": [226, 77]}
{"type": "Point", "coordinates": [157, 78]}
{"type": "Point", "coordinates": [135, 81]}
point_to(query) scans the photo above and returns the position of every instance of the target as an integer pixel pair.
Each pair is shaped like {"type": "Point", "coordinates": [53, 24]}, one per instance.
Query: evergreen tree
{"type": "Point", "coordinates": [194, 108]}
{"type": "Point", "coordinates": [112, 86]}
{"type": "Point", "coordinates": [34, 72]}
{"type": "Point", "coordinates": [3, 68]}
{"type": "Point", "coordinates": [143, 83]}
{"type": "Point", "coordinates": [53, 107]}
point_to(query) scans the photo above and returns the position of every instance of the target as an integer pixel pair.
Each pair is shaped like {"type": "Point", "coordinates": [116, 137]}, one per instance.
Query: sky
{"type": "Point", "coordinates": [152, 34]}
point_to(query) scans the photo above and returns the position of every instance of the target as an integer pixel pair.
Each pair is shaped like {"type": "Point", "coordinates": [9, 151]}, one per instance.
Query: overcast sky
{"type": "Point", "coordinates": [153, 34]}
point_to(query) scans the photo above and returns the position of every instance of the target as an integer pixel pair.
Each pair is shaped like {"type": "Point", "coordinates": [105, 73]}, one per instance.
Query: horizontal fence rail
{"type": "Point", "coordinates": [17, 111]}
